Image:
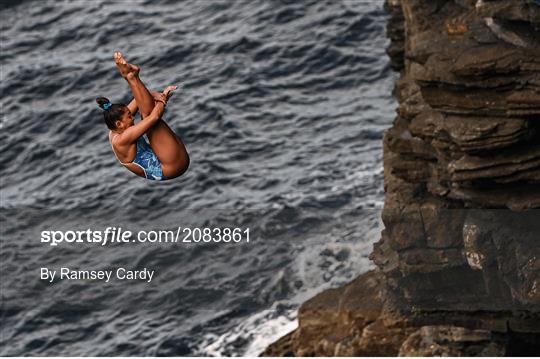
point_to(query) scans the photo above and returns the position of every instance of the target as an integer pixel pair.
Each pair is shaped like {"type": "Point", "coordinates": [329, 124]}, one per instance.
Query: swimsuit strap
{"type": "Point", "coordinates": [115, 155]}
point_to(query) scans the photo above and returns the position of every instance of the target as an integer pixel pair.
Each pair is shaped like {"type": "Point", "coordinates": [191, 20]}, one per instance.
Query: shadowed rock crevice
{"type": "Point", "coordinates": [458, 262]}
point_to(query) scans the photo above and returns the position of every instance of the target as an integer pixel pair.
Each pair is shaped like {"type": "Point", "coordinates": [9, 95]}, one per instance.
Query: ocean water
{"type": "Point", "coordinates": [283, 109]}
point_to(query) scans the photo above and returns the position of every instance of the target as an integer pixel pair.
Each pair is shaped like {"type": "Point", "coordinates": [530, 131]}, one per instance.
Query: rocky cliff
{"type": "Point", "coordinates": [459, 258]}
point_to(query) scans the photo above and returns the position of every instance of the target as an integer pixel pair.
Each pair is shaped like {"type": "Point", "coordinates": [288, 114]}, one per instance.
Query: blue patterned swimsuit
{"type": "Point", "coordinates": [147, 160]}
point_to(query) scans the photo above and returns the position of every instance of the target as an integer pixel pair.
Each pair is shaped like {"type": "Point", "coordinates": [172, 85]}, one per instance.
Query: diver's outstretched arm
{"type": "Point", "coordinates": [132, 133]}
{"type": "Point", "coordinates": [134, 108]}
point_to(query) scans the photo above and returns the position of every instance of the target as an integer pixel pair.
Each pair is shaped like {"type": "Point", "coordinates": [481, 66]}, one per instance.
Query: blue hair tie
{"type": "Point", "coordinates": [107, 106]}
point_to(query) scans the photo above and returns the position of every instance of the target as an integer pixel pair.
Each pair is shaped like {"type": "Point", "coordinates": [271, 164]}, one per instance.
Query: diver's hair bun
{"type": "Point", "coordinates": [112, 113]}
{"type": "Point", "coordinates": [102, 101]}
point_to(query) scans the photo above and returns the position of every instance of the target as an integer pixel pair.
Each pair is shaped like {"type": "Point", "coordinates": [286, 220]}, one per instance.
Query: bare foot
{"type": "Point", "coordinates": [126, 69]}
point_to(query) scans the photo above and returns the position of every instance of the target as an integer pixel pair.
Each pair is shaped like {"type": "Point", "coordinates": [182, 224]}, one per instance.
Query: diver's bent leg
{"type": "Point", "coordinates": [169, 148]}
{"type": "Point", "coordinates": [130, 72]}
{"type": "Point", "coordinates": [144, 99]}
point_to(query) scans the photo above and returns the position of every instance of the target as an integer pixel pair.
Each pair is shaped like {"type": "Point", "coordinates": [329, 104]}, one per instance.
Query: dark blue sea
{"type": "Point", "coordinates": [283, 109]}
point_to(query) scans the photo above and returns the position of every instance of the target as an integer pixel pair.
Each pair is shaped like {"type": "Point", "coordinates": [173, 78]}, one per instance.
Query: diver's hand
{"type": "Point", "coordinates": [168, 91]}
{"type": "Point", "coordinates": [159, 97]}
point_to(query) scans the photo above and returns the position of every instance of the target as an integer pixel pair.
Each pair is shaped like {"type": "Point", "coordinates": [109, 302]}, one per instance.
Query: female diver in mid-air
{"type": "Point", "coordinates": [164, 156]}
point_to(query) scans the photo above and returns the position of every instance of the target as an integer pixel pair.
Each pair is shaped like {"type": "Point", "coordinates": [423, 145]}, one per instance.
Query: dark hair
{"type": "Point", "coordinates": [113, 113]}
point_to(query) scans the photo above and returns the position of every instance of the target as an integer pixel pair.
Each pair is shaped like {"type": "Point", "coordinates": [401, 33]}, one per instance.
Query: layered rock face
{"type": "Point", "coordinates": [459, 258]}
